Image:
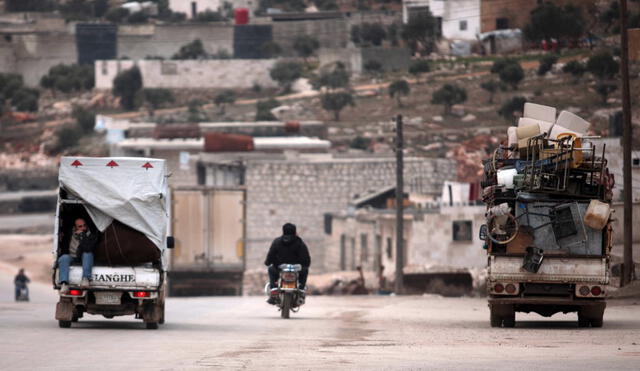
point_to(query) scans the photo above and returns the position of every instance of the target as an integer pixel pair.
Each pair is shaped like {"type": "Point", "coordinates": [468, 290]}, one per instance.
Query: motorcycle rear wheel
{"type": "Point", "coordinates": [286, 305]}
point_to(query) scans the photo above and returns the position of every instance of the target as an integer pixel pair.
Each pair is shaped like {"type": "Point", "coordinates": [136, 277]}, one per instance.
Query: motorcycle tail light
{"type": "Point", "coordinates": [596, 291]}
{"type": "Point", "coordinates": [75, 292]}
{"type": "Point", "coordinates": [498, 288]}
{"type": "Point", "coordinates": [141, 294]}
{"type": "Point", "coordinates": [289, 276]}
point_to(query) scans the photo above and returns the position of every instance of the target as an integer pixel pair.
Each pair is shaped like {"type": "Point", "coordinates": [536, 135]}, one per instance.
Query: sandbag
{"type": "Point", "coordinates": [123, 245]}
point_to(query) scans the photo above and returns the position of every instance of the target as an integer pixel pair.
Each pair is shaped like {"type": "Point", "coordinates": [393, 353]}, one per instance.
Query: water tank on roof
{"type": "Point", "coordinates": [242, 16]}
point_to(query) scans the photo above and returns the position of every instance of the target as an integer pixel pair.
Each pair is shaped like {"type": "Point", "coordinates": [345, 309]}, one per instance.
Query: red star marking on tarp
{"type": "Point", "coordinates": [147, 166]}
{"type": "Point", "coordinates": [112, 163]}
{"type": "Point", "coordinates": [76, 163]}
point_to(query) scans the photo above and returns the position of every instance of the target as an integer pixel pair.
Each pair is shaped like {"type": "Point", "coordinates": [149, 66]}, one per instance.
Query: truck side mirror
{"type": "Point", "coordinates": [171, 242]}
{"type": "Point", "coordinates": [483, 232]}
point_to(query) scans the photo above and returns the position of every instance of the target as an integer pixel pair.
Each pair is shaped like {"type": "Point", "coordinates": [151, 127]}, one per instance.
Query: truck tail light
{"type": "Point", "coordinates": [584, 290]}
{"type": "Point", "coordinates": [596, 291]}
{"type": "Point", "coordinates": [498, 288]}
{"type": "Point", "coordinates": [141, 294]}
{"type": "Point", "coordinates": [510, 288]}
{"type": "Point", "coordinates": [75, 292]}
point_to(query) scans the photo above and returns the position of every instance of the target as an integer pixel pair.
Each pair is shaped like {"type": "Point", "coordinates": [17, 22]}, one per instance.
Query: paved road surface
{"type": "Point", "coordinates": [353, 333]}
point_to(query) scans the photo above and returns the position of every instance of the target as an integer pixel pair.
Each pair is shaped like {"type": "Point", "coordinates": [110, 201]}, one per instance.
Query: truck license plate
{"type": "Point", "coordinates": [108, 298]}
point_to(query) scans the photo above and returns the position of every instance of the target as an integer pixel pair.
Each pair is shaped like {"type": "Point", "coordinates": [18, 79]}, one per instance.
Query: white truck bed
{"type": "Point", "coordinates": [122, 278]}
{"type": "Point", "coordinates": [553, 269]}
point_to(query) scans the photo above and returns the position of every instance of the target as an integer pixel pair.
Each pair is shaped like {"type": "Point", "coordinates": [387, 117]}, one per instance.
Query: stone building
{"type": "Point", "coordinates": [303, 188]}
{"type": "Point", "coordinates": [440, 238]}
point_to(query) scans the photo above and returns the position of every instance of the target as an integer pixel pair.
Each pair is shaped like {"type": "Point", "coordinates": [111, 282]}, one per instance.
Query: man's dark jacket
{"type": "Point", "coordinates": [288, 249]}
{"type": "Point", "coordinates": [88, 243]}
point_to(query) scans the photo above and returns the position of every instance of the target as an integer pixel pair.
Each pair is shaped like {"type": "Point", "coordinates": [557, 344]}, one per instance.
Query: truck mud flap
{"type": "Point", "coordinates": [64, 310]}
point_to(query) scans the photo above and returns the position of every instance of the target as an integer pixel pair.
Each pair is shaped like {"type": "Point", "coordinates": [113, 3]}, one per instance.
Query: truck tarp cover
{"type": "Point", "coordinates": [130, 190]}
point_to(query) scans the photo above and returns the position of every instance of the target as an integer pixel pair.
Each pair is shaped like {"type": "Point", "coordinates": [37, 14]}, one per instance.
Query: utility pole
{"type": "Point", "coordinates": [628, 266]}
{"type": "Point", "coordinates": [399, 289]}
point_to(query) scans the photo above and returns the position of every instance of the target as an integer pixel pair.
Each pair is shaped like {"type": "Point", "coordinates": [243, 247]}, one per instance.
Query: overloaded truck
{"type": "Point", "coordinates": [548, 232]}
{"type": "Point", "coordinates": [126, 204]}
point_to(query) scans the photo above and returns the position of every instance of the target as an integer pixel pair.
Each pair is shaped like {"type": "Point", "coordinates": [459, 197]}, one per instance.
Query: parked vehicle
{"type": "Point", "coordinates": [208, 228]}
{"type": "Point", "coordinates": [288, 297]}
{"type": "Point", "coordinates": [126, 202]}
{"type": "Point", "coordinates": [548, 233]}
{"type": "Point", "coordinates": [22, 293]}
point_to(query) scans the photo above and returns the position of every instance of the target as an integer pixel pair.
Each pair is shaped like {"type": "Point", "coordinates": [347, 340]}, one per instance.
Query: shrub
{"type": "Point", "coordinates": [285, 73]}
{"type": "Point", "coordinates": [117, 15]}
{"type": "Point", "coordinates": [603, 66]}
{"type": "Point", "coordinates": [398, 89]}
{"type": "Point", "coordinates": [127, 85]}
{"type": "Point", "coordinates": [512, 75]}
{"type": "Point", "coordinates": [546, 63]}
{"type": "Point", "coordinates": [138, 17]}
{"type": "Point", "coordinates": [448, 95]}
{"type": "Point", "coordinates": [223, 98]}
{"type": "Point", "coordinates": [85, 119]}
{"type": "Point", "coordinates": [305, 45]}
{"type": "Point", "coordinates": [491, 87]}
{"type": "Point", "coordinates": [373, 67]}
{"type": "Point", "coordinates": [336, 102]}
{"type": "Point", "coordinates": [576, 69]}
{"type": "Point", "coordinates": [67, 137]}
{"type": "Point", "coordinates": [263, 109]}
{"type": "Point", "coordinates": [156, 97]}
{"type": "Point", "coordinates": [510, 107]}
{"type": "Point", "coordinates": [419, 66]}
{"type": "Point", "coordinates": [192, 50]}
{"type": "Point", "coordinates": [68, 78]}
{"type": "Point", "coordinates": [26, 99]}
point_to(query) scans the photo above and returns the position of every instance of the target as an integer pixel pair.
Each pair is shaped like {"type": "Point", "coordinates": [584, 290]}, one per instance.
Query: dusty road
{"type": "Point", "coordinates": [353, 333]}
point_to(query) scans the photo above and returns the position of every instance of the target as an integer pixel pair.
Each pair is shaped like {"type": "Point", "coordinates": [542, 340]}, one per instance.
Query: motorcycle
{"type": "Point", "coordinates": [289, 298]}
{"type": "Point", "coordinates": [22, 293]}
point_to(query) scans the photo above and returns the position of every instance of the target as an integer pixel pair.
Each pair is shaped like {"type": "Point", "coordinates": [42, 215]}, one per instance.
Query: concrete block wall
{"type": "Point", "coordinates": [331, 33]}
{"type": "Point", "coordinates": [226, 73]}
{"type": "Point", "coordinates": [303, 191]}
{"type": "Point", "coordinates": [138, 42]}
{"type": "Point", "coordinates": [36, 53]}
{"type": "Point", "coordinates": [431, 241]}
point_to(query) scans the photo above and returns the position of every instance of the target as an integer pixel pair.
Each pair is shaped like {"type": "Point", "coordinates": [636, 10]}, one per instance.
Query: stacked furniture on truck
{"type": "Point", "coordinates": [548, 231]}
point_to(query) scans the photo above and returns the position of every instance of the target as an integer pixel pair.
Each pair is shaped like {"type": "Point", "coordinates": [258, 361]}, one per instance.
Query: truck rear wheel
{"type": "Point", "coordinates": [583, 321]}
{"type": "Point", "coordinates": [509, 321]}
{"type": "Point", "coordinates": [596, 322]}
{"type": "Point", "coordinates": [64, 324]}
{"type": "Point", "coordinates": [152, 325]}
{"type": "Point", "coordinates": [496, 320]}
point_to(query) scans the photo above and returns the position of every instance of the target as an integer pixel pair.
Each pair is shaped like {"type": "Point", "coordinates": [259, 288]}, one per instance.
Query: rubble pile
{"type": "Point", "coordinates": [548, 191]}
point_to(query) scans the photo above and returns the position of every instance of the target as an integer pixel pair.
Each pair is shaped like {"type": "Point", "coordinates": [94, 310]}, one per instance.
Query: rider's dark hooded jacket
{"type": "Point", "coordinates": [288, 249]}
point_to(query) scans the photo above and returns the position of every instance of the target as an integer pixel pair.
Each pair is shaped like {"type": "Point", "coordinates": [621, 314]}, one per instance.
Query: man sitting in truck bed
{"type": "Point", "coordinates": [79, 249]}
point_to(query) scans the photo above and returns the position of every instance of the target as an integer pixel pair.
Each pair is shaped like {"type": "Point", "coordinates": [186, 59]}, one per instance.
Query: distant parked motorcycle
{"type": "Point", "coordinates": [22, 293]}
{"type": "Point", "coordinates": [288, 297]}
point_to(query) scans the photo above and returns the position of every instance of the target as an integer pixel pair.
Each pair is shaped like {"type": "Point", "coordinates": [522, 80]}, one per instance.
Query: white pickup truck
{"type": "Point", "coordinates": [126, 202]}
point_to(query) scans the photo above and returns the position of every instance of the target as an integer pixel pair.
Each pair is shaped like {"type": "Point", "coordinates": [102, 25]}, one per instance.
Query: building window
{"type": "Point", "coordinates": [462, 230]}
{"type": "Point", "coordinates": [364, 248]}
{"type": "Point", "coordinates": [502, 23]}
{"type": "Point", "coordinates": [636, 162]}
{"type": "Point", "coordinates": [105, 70]}
{"type": "Point", "coordinates": [463, 25]}
{"type": "Point", "coordinates": [389, 248]}
{"type": "Point", "coordinates": [328, 221]}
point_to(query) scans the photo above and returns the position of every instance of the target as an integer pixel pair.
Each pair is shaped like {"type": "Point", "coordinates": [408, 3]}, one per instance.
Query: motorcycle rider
{"type": "Point", "coordinates": [287, 249]}
{"type": "Point", "coordinates": [20, 281]}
